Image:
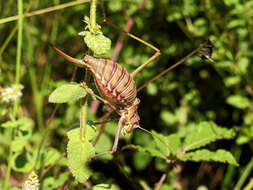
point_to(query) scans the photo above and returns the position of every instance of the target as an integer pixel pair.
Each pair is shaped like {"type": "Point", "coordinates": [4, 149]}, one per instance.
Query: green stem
{"type": "Point", "coordinates": [17, 80]}
{"type": "Point", "coordinates": [245, 175]}
{"type": "Point", "coordinates": [93, 13]}
{"type": "Point", "coordinates": [83, 118]}
{"type": "Point", "coordinates": [84, 106]}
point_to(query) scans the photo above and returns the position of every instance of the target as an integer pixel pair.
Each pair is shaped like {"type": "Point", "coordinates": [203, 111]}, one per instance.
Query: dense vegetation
{"type": "Point", "coordinates": [200, 115]}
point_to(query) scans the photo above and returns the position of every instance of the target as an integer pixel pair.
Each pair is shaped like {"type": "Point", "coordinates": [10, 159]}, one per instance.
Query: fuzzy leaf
{"type": "Point", "coordinates": [238, 101]}
{"type": "Point", "coordinates": [98, 43]}
{"type": "Point", "coordinates": [79, 153]}
{"type": "Point", "coordinates": [207, 155]}
{"type": "Point", "coordinates": [67, 93]}
{"type": "Point", "coordinates": [205, 133]}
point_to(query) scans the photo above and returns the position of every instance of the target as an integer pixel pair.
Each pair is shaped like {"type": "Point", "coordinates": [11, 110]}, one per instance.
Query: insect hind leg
{"type": "Point", "coordinates": [157, 51]}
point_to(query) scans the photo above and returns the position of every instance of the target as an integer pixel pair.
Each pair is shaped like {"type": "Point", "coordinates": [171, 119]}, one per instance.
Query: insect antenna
{"type": "Point", "coordinates": [77, 62]}
{"type": "Point", "coordinates": [154, 135]}
{"type": "Point", "coordinates": [173, 66]}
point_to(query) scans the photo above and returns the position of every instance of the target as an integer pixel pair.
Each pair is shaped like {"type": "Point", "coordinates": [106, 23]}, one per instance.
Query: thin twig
{"type": "Point", "coordinates": [43, 11]}
{"type": "Point", "coordinates": [159, 184]}
{"type": "Point", "coordinates": [44, 171]}
{"type": "Point", "coordinates": [171, 67]}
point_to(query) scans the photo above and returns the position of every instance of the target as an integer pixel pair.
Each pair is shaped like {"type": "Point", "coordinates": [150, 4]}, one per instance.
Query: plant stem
{"type": "Point", "coordinates": [43, 11]}
{"type": "Point", "coordinates": [93, 13]}
{"type": "Point", "coordinates": [245, 175]}
{"type": "Point", "coordinates": [17, 80]}
{"type": "Point", "coordinates": [84, 106]}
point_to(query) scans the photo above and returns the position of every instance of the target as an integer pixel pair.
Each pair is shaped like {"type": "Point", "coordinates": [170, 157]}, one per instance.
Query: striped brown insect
{"type": "Point", "coordinates": [117, 87]}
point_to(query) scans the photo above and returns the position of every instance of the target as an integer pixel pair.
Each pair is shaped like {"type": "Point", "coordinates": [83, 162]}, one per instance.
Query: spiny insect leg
{"type": "Point", "coordinates": [116, 140]}
{"type": "Point", "coordinates": [141, 67]}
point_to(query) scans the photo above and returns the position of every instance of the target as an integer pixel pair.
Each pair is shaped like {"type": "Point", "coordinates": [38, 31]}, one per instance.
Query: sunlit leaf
{"type": "Point", "coordinates": [205, 133]}
{"type": "Point", "coordinates": [98, 43]}
{"type": "Point", "coordinates": [67, 93]}
{"type": "Point", "coordinates": [238, 101]}
{"type": "Point", "coordinates": [207, 155]}
{"type": "Point", "coordinates": [79, 153]}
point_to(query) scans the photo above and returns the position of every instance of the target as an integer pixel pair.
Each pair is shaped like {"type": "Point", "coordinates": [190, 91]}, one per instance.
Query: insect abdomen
{"type": "Point", "coordinates": [113, 81]}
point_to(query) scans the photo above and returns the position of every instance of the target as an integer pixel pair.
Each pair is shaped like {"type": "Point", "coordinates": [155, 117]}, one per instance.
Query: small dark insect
{"type": "Point", "coordinates": [205, 52]}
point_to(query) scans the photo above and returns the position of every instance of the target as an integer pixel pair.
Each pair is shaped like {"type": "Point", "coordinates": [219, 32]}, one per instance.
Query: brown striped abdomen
{"type": "Point", "coordinates": [113, 81]}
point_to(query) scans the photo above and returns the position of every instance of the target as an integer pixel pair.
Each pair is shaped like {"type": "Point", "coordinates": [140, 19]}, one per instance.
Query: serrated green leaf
{"type": "Point", "coordinates": [67, 93]}
{"type": "Point", "coordinates": [151, 151]}
{"type": "Point", "coordinates": [207, 155]}
{"type": "Point", "coordinates": [79, 153]}
{"type": "Point", "coordinates": [98, 43]}
{"type": "Point", "coordinates": [238, 101]}
{"type": "Point", "coordinates": [205, 133]}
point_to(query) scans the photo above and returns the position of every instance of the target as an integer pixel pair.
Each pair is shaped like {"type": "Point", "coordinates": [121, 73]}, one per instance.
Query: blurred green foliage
{"type": "Point", "coordinates": [175, 104]}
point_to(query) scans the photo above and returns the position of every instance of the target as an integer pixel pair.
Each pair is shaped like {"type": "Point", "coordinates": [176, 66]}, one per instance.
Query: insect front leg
{"type": "Point", "coordinates": [116, 140]}
{"type": "Point", "coordinates": [98, 97]}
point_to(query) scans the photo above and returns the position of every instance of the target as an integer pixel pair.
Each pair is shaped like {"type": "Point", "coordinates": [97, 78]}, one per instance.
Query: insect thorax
{"type": "Point", "coordinates": [132, 117]}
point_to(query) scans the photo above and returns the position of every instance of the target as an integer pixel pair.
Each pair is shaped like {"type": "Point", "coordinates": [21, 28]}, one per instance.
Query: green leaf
{"type": "Point", "coordinates": [103, 187]}
{"type": "Point", "coordinates": [18, 144]}
{"type": "Point", "coordinates": [207, 155]}
{"type": "Point", "coordinates": [174, 143]}
{"type": "Point", "coordinates": [98, 43]}
{"type": "Point", "coordinates": [162, 143]}
{"type": "Point", "coordinates": [25, 123]}
{"type": "Point", "coordinates": [79, 153]}
{"type": "Point", "coordinates": [151, 151]}
{"type": "Point", "coordinates": [141, 160]}
{"type": "Point", "coordinates": [51, 156]}
{"type": "Point", "coordinates": [21, 163]}
{"type": "Point", "coordinates": [238, 101]}
{"type": "Point", "coordinates": [230, 81]}
{"type": "Point", "coordinates": [104, 144]}
{"type": "Point", "coordinates": [205, 133]}
{"type": "Point", "coordinates": [67, 93]}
